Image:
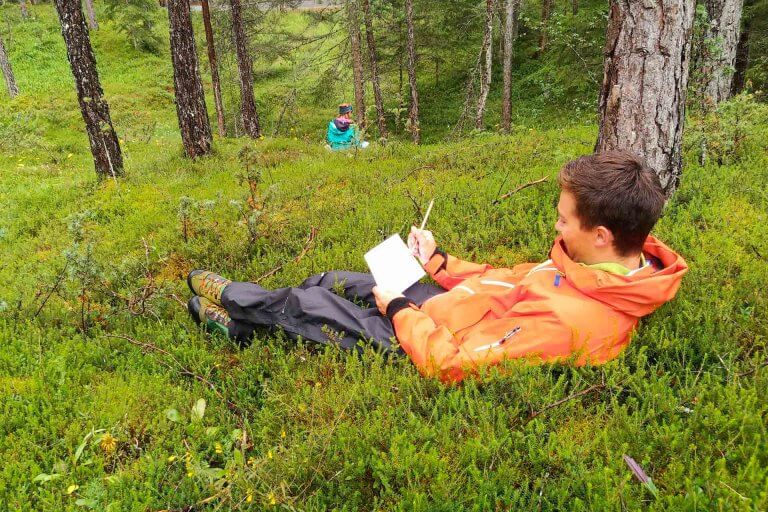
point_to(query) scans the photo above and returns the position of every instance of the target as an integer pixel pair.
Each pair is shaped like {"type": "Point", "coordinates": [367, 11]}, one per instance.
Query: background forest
{"type": "Point", "coordinates": [112, 399]}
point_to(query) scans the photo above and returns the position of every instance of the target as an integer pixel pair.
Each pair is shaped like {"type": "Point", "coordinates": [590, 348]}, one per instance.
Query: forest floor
{"type": "Point", "coordinates": [112, 399]}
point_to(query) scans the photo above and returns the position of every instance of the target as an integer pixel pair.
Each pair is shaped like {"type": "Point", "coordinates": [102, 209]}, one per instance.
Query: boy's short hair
{"type": "Point", "coordinates": [618, 190]}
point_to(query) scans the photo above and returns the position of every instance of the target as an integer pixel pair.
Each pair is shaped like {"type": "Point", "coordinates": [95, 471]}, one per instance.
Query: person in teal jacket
{"type": "Point", "coordinates": [343, 132]}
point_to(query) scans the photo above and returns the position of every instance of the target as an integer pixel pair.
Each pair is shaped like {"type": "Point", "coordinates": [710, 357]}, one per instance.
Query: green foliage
{"type": "Point", "coordinates": [142, 411]}
{"type": "Point", "coordinates": [138, 20]}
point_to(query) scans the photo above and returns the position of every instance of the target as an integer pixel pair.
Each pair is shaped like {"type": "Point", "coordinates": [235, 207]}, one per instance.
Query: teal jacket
{"type": "Point", "coordinates": [340, 140]}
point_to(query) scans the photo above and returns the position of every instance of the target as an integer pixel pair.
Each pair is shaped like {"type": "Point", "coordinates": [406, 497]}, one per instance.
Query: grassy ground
{"type": "Point", "coordinates": [94, 339]}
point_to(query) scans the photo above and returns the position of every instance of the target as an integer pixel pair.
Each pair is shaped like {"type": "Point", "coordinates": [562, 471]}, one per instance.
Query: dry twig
{"type": "Point", "coordinates": [304, 251]}
{"type": "Point", "coordinates": [518, 189]}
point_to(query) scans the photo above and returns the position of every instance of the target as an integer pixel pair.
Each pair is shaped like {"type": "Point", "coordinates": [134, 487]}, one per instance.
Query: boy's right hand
{"type": "Point", "coordinates": [422, 244]}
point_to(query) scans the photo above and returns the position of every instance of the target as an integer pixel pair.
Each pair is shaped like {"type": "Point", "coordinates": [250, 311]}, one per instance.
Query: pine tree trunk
{"type": "Point", "coordinates": [353, 22]}
{"type": "Point", "coordinates": [642, 97]}
{"type": "Point", "coordinates": [105, 146]}
{"type": "Point", "coordinates": [245, 67]}
{"type": "Point", "coordinates": [506, 104]}
{"type": "Point", "coordinates": [380, 119]}
{"type": "Point", "coordinates": [722, 34]}
{"type": "Point", "coordinates": [92, 23]}
{"type": "Point", "coordinates": [546, 13]}
{"type": "Point", "coordinates": [190, 98]}
{"type": "Point", "coordinates": [413, 111]}
{"type": "Point", "coordinates": [5, 65]}
{"type": "Point", "coordinates": [213, 62]}
{"type": "Point", "coordinates": [485, 73]}
{"type": "Point", "coordinates": [23, 7]}
{"type": "Point", "coordinates": [742, 58]}
{"type": "Point", "coordinates": [575, 7]}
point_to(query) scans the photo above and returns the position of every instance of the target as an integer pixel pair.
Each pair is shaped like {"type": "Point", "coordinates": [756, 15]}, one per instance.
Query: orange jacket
{"type": "Point", "coordinates": [545, 312]}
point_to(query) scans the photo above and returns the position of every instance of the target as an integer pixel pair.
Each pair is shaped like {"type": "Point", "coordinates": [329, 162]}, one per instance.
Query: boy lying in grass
{"type": "Point", "coordinates": [605, 272]}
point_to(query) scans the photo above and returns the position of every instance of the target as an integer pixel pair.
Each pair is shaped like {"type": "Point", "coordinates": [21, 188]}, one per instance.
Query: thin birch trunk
{"type": "Point", "coordinates": [380, 119]}
{"type": "Point", "coordinates": [92, 23]}
{"type": "Point", "coordinates": [642, 97]}
{"type": "Point", "coordinates": [722, 35]}
{"type": "Point", "coordinates": [190, 98]}
{"type": "Point", "coordinates": [5, 65]}
{"type": "Point", "coordinates": [245, 67]}
{"type": "Point", "coordinates": [213, 62]}
{"type": "Point", "coordinates": [506, 104]}
{"type": "Point", "coordinates": [413, 111]}
{"type": "Point", "coordinates": [486, 69]}
{"type": "Point", "coordinates": [105, 146]}
{"type": "Point", "coordinates": [353, 24]}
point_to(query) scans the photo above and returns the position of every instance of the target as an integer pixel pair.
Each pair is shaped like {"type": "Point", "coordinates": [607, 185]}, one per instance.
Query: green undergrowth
{"type": "Point", "coordinates": [111, 398]}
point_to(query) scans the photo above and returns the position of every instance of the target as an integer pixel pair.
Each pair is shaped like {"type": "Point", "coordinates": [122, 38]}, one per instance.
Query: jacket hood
{"type": "Point", "coordinates": [638, 294]}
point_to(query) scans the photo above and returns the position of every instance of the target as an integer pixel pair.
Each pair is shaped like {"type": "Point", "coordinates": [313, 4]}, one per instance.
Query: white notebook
{"type": "Point", "coordinates": [393, 266]}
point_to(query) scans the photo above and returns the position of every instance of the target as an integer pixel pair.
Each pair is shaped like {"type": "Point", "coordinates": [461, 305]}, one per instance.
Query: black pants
{"type": "Point", "coordinates": [313, 311]}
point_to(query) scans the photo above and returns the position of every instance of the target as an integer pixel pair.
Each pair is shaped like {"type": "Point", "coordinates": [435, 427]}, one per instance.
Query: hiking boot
{"type": "Point", "coordinates": [207, 284]}
{"type": "Point", "coordinates": [212, 316]}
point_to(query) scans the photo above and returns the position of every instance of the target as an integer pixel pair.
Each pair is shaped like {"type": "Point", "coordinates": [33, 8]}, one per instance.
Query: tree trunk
{"type": "Point", "coordinates": [213, 62]}
{"type": "Point", "coordinates": [245, 67]}
{"type": "Point", "coordinates": [413, 111]}
{"type": "Point", "coordinates": [516, 23]}
{"type": "Point", "coordinates": [380, 119]}
{"type": "Point", "coordinates": [190, 98]}
{"type": "Point", "coordinates": [642, 97]}
{"type": "Point", "coordinates": [105, 146]}
{"type": "Point", "coordinates": [506, 104]}
{"type": "Point", "coordinates": [353, 22]}
{"type": "Point", "coordinates": [575, 7]}
{"type": "Point", "coordinates": [5, 65]}
{"type": "Point", "coordinates": [92, 23]}
{"type": "Point", "coordinates": [23, 7]}
{"type": "Point", "coordinates": [485, 73]}
{"type": "Point", "coordinates": [546, 13]}
{"type": "Point", "coordinates": [742, 58]}
{"type": "Point", "coordinates": [722, 37]}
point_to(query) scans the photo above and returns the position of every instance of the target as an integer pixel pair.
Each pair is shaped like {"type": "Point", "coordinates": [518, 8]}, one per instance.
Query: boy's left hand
{"type": "Point", "coordinates": [384, 297]}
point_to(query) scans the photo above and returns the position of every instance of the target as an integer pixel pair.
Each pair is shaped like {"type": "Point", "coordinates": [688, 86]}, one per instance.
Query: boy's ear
{"type": "Point", "coordinates": [603, 236]}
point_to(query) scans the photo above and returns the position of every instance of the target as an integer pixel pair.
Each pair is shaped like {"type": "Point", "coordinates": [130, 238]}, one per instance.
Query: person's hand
{"type": "Point", "coordinates": [383, 298]}
{"type": "Point", "coordinates": [422, 244]}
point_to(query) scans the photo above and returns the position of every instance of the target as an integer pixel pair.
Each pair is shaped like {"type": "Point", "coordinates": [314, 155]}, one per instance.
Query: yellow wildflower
{"type": "Point", "coordinates": [282, 434]}
{"type": "Point", "coordinates": [272, 499]}
{"type": "Point", "coordinates": [172, 458]}
{"type": "Point", "coordinates": [218, 448]}
{"type": "Point", "coordinates": [108, 443]}
{"type": "Point", "coordinates": [269, 454]}
{"type": "Point", "coordinates": [72, 488]}
{"type": "Point", "coordinates": [249, 497]}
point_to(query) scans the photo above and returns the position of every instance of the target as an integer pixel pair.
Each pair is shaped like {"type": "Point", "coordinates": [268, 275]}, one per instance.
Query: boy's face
{"type": "Point", "coordinates": [579, 243]}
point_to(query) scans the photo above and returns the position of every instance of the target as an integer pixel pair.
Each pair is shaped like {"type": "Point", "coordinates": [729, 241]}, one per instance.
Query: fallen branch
{"type": "Point", "coordinates": [518, 189]}
{"type": "Point", "coordinates": [753, 370]}
{"type": "Point", "coordinates": [304, 251]}
{"type": "Point", "coordinates": [176, 366]}
{"type": "Point", "coordinates": [59, 279]}
{"type": "Point", "coordinates": [419, 213]}
{"type": "Point", "coordinates": [591, 389]}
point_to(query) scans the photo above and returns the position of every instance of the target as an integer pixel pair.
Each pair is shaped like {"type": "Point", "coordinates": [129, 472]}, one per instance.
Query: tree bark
{"type": "Point", "coordinates": [5, 65]}
{"type": "Point", "coordinates": [353, 21]}
{"type": "Point", "coordinates": [380, 119]}
{"type": "Point", "coordinates": [245, 67]}
{"type": "Point", "coordinates": [92, 23]}
{"type": "Point", "coordinates": [575, 7]}
{"type": "Point", "coordinates": [546, 13]}
{"type": "Point", "coordinates": [742, 58]}
{"type": "Point", "coordinates": [105, 146]}
{"type": "Point", "coordinates": [485, 73]}
{"type": "Point", "coordinates": [642, 97]}
{"type": "Point", "coordinates": [23, 7]}
{"type": "Point", "coordinates": [722, 36]}
{"type": "Point", "coordinates": [413, 111]}
{"type": "Point", "coordinates": [190, 98]}
{"type": "Point", "coordinates": [213, 62]}
{"type": "Point", "coordinates": [506, 104]}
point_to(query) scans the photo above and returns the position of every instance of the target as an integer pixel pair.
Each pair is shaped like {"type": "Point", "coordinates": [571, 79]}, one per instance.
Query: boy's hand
{"type": "Point", "coordinates": [383, 298]}
{"type": "Point", "coordinates": [422, 244]}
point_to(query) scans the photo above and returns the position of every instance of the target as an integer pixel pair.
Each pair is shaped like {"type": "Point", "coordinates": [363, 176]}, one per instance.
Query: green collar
{"type": "Point", "coordinates": [616, 268]}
